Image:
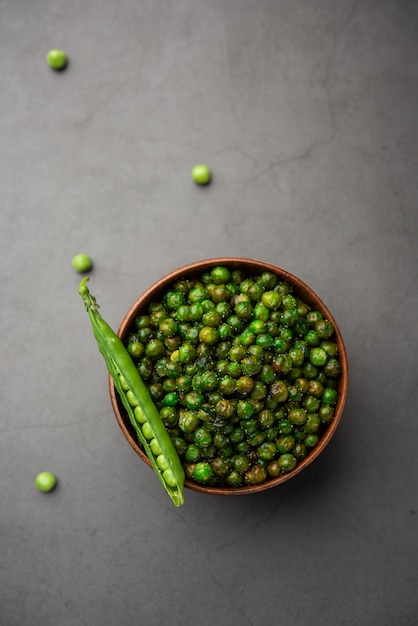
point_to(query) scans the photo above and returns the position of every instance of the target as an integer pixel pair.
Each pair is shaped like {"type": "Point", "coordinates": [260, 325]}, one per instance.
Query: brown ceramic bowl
{"type": "Point", "coordinates": [249, 266]}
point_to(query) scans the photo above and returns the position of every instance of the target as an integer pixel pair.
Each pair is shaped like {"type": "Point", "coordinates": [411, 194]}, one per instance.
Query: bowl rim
{"type": "Point", "coordinates": [303, 290]}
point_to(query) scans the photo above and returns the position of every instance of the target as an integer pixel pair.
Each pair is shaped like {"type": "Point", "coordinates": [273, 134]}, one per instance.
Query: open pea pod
{"type": "Point", "coordinates": [136, 399]}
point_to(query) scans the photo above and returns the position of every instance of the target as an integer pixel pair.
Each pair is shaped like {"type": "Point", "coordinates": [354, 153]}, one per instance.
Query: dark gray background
{"type": "Point", "coordinates": [307, 114]}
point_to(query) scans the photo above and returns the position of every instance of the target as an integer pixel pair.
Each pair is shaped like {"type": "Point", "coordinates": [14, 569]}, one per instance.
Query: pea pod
{"type": "Point", "coordinates": [142, 412]}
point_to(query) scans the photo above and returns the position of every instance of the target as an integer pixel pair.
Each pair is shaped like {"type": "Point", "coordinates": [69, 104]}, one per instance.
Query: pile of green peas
{"type": "Point", "coordinates": [243, 373]}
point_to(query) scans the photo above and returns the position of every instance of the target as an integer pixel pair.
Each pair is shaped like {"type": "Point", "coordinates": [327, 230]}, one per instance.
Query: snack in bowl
{"type": "Point", "coordinates": [246, 367]}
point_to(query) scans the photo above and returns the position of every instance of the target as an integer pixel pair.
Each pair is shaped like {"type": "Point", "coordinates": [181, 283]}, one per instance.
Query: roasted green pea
{"type": "Point", "coordinates": [311, 403]}
{"type": "Point", "coordinates": [240, 463]}
{"type": "Point", "coordinates": [255, 475]}
{"type": "Point", "coordinates": [264, 341]}
{"type": "Point", "coordinates": [311, 440]}
{"type": "Point", "coordinates": [174, 299]}
{"type": "Point", "coordinates": [326, 413]}
{"type": "Point", "coordinates": [330, 396]}
{"type": "Point", "coordinates": [271, 300]}
{"type": "Point", "coordinates": [297, 416]}
{"type": "Point", "coordinates": [332, 368]}
{"type": "Point", "coordinates": [279, 391]}
{"type": "Point", "coordinates": [221, 466]}
{"type": "Point", "coordinates": [285, 443]}
{"type": "Point", "coordinates": [243, 310]}
{"type": "Point", "coordinates": [259, 391]}
{"type": "Point", "coordinates": [154, 349]}
{"type": "Point", "coordinates": [192, 453]}
{"type": "Point", "coordinates": [202, 437]}
{"type": "Point", "coordinates": [188, 421]}
{"type": "Point", "coordinates": [283, 363]}
{"type": "Point", "coordinates": [312, 338]}
{"type": "Point", "coordinates": [227, 385]}
{"type": "Point", "coordinates": [224, 408]}
{"type": "Point", "coordinates": [312, 423]}
{"type": "Point", "coordinates": [244, 385]}
{"type": "Point", "coordinates": [318, 357]}
{"type": "Point", "coordinates": [287, 463]}
{"type": "Point", "coordinates": [135, 349]}
{"type": "Point", "coordinates": [268, 280]}
{"type": "Point", "coordinates": [234, 479]}
{"type": "Point", "coordinates": [251, 365]}
{"type": "Point", "coordinates": [208, 335]}
{"type": "Point", "coordinates": [202, 472]}
{"type": "Point", "coordinates": [196, 312]}
{"type": "Point", "coordinates": [267, 451]}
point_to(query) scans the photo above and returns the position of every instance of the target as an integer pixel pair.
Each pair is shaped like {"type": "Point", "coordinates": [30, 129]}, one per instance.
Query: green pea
{"type": "Point", "coordinates": [170, 399]}
{"type": "Point", "coordinates": [243, 310]}
{"type": "Point", "coordinates": [234, 479]}
{"type": "Point", "coordinates": [311, 403]}
{"type": "Point", "coordinates": [259, 390]}
{"type": "Point", "coordinates": [188, 421]}
{"type": "Point", "coordinates": [192, 453]}
{"type": "Point", "coordinates": [297, 416]}
{"type": "Point", "coordinates": [330, 396]}
{"type": "Point", "coordinates": [45, 481]}
{"type": "Point", "coordinates": [312, 423]}
{"type": "Point", "coordinates": [220, 466]}
{"type": "Point", "coordinates": [326, 413]}
{"type": "Point", "coordinates": [240, 463]}
{"type": "Point", "coordinates": [220, 275]}
{"type": "Point", "coordinates": [245, 409]}
{"type": "Point", "coordinates": [256, 475]}
{"type": "Point", "coordinates": [244, 385]}
{"type": "Point", "coordinates": [267, 451]}
{"type": "Point", "coordinates": [154, 349]}
{"type": "Point", "coordinates": [251, 365]}
{"type": "Point", "coordinates": [202, 472]}
{"type": "Point", "coordinates": [57, 59]}
{"type": "Point", "coordinates": [227, 385]}
{"type": "Point", "coordinates": [287, 463]}
{"type": "Point", "coordinates": [135, 349]}
{"type": "Point", "coordinates": [225, 408]}
{"type": "Point", "coordinates": [271, 299]}
{"type": "Point", "coordinates": [82, 263]}
{"type": "Point", "coordinates": [174, 299]}
{"type": "Point", "coordinates": [201, 174]}
{"type": "Point", "coordinates": [279, 391]}
{"type": "Point", "coordinates": [318, 356]}
{"type": "Point", "coordinates": [265, 418]}
{"type": "Point", "coordinates": [313, 317]}
{"type": "Point", "coordinates": [324, 328]}
{"type": "Point", "coordinates": [202, 437]}
{"type": "Point", "coordinates": [208, 335]}
{"type": "Point", "coordinates": [268, 280]}
{"type": "Point", "coordinates": [285, 443]}
{"type": "Point", "coordinates": [211, 318]}
{"type": "Point", "coordinates": [312, 338]}
{"type": "Point", "coordinates": [265, 341]}
{"type": "Point", "coordinates": [332, 368]}
{"type": "Point", "coordinates": [311, 440]}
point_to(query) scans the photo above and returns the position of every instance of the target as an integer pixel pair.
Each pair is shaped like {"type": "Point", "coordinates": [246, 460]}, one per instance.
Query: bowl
{"type": "Point", "coordinates": [248, 266]}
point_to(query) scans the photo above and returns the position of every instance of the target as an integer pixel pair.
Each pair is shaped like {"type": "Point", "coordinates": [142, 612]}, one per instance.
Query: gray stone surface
{"type": "Point", "coordinates": [307, 114]}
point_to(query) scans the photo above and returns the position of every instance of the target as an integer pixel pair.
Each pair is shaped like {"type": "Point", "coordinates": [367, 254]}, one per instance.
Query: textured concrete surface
{"type": "Point", "coordinates": [307, 114]}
